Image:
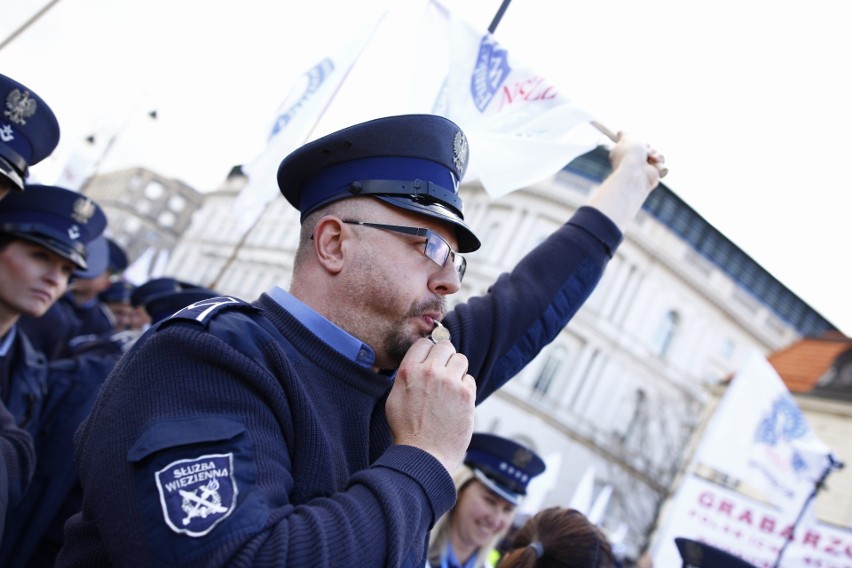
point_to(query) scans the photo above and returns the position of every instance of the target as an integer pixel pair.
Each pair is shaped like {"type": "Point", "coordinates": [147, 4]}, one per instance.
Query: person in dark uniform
{"type": "Point", "coordinates": [490, 485]}
{"type": "Point", "coordinates": [116, 298]}
{"type": "Point", "coordinates": [29, 132]}
{"type": "Point", "coordinates": [95, 319]}
{"type": "Point", "coordinates": [162, 305]}
{"type": "Point", "coordinates": [78, 316]}
{"type": "Point", "coordinates": [562, 537]}
{"type": "Point", "coordinates": [35, 532]}
{"type": "Point", "coordinates": [43, 233]}
{"type": "Point", "coordinates": [697, 554]}
{"type": "Point", "coordinates": [319, 426]}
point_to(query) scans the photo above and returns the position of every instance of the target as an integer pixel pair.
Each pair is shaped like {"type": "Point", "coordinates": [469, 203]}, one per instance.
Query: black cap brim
{"type": "Point", "coordinates": [466, 238]}
{"type": "Point", "coordinates": [60, 248]}
{"type": "Point", "coordinates": [8, 171]}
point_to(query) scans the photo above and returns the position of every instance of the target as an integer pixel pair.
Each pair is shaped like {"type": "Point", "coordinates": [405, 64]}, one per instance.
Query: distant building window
{"type": "Point", "coordinates": [166, 219]}
{"type": "Point", "coordinates": [726, 350]}
{"type": "Point", "coordinates": [490, 236]}
{"type": "Point", "coordinates": [549, 371]}
{"type": "Point", "coordinates": [154, 190]}
{"type": "Point", "coordinates": [135, 182]}
{"type": "Point", "coordinates": [666, 333]}
{"type": "Point", "coordinates": [177, 203]}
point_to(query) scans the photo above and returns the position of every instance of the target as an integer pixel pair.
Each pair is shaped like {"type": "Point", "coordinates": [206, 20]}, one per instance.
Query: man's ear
{"type": "Point", "coordinates": [329, 234]}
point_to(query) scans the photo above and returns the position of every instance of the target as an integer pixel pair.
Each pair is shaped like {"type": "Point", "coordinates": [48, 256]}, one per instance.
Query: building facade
{"type": "Point", "coordinates": [148, 213]}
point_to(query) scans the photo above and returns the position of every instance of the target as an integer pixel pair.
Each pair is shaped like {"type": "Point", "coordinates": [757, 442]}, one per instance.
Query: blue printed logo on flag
{"type": "Point", "coordinates": [491, 69]}
{"type": "Point", "coordinates": [784, 424]}
{"type": "Point", "coordinates": [197, 494]}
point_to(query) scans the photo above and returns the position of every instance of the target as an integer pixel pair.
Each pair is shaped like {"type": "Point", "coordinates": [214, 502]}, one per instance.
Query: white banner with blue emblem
{"type": "Point", "coordinates": [759, 435]}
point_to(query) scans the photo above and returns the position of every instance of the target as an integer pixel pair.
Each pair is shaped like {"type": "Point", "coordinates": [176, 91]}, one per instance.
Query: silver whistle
{"type": "Point", "coordinates": [440, 333]}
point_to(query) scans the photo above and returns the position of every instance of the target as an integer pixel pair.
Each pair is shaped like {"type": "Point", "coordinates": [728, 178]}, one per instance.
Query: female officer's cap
{"type": "Point", "coordinates": [59, 219]}
{"type": "Point", "coordinates": [503, 465]}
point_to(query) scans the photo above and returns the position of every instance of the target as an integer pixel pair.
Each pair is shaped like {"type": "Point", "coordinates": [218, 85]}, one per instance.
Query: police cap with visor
{"type": "Point", "coordinates": [29, 131]}
{"type": "Point", "coordinates": [697, 554]}
{"type": "Point", "coordinates": [414, 162]}
{"type": "Point", "coordinates": [56, 218]}
{"type": "Point", "coordinates": [502, 465]}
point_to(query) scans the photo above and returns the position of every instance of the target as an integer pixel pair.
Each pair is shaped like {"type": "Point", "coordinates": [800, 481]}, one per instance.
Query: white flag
{"type": "Point", "coordinates": [543, 484]}
{"type": "Point", "coordinates": [581, 500]}
{"type": "Point", "coordinates": [598, 508]}
{"type": "Point", "coordinates": [522, 128]}
{"type": "Point", "coordinates": [294, 123]}
{"type": "Point", "coordinates": [758, 434]}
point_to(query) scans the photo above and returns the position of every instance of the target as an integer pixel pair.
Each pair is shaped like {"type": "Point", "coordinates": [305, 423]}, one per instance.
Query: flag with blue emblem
{"type": "Point", "coordinates": [522, 127]}
{"type": "Point", "coordinates": [760, 436]}
{"type": "Point", "coordinates": [295, 121]}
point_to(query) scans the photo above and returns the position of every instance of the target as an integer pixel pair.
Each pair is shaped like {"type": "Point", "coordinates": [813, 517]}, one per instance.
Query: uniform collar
{"type": "Point", "coordinates": [341, 341]}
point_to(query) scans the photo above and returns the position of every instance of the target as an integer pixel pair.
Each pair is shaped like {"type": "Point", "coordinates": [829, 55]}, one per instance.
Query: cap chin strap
{"type": "Point", "coordinates": [417, 189]}
{"type": "Point", "coordinates": [7, 170]}
{"type": "Point", "coordinates": [512, 498]}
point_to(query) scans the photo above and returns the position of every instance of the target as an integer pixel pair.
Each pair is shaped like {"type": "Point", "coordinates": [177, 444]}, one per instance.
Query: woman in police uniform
{"type": "Point", "coordinates": [491, 484]}
{"type": "Point", "coordinates": [43, 235]}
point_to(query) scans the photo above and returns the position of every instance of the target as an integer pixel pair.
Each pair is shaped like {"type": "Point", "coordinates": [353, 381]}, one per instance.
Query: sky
{"type": "Point", "coordinates": [749, 101]}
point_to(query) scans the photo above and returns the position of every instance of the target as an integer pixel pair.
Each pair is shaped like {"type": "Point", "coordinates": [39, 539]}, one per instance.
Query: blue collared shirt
{"type": "Point", "coordinates": [346, 344]}
{"type": "Point", "coordinates": [6, 342]}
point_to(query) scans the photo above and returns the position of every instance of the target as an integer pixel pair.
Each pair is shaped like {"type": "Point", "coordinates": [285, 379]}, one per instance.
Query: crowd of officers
{"type": "Point", "coordinates": [66, 316]}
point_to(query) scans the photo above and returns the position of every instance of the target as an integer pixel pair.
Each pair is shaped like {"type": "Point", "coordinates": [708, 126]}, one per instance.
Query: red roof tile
{"type": "Point", "coordinates": [805, 362]}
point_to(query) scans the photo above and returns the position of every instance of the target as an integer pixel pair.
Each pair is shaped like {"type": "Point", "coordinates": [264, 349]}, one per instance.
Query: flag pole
{"type": "Point", "coordinates": [498, 16]}
{"type": "Point", "coordinates": [232, 257]}
{"type": "Point", "coordinates": [818, 485]}
{"type": "Point", "coordinates": [23, 27]}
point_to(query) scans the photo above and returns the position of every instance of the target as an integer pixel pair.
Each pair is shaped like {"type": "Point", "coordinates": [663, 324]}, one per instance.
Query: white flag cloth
{"type": "Point", "coordinates": [538, 488]}
{"type": "Point", "coordinates": [139, 270]}
{"type": "Point", "coordinates": [521, 127]}
{"type": "Point", "coordinates": [758, 434]}
{"type": "Point", "coordinates": [598, 509]}
{"type": "Point", "coordinates": [581, 500]}
{"type": "Point", "coordinates": [294, 123]}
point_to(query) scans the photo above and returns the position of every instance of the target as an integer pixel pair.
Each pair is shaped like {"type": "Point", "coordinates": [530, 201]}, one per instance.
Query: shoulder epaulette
{"type": "Point", "coordinates": [205, 310]}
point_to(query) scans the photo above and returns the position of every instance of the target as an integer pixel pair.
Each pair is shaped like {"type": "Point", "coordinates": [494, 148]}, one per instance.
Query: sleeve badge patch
{"type": "Point", "coordinates": [197, 494]}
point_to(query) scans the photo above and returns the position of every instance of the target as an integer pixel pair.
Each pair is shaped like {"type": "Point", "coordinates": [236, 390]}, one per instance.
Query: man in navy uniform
{"type": "Point", "coordinates": [320, 426]}
{"type": "Point", "coordinates": [29, 132]}
{"type": "Point", "coordinates": [697, 554]}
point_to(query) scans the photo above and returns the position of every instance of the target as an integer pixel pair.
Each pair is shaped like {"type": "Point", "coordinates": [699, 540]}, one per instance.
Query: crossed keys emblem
{"type": "Point", "coordinates": [203, 503]}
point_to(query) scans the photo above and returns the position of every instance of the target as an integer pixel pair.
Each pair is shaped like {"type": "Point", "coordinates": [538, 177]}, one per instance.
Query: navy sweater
{"type": "Point", "coordinates": [230, 435]}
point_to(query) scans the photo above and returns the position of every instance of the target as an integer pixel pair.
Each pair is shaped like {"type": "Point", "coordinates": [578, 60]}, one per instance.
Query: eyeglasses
{"type": "Point", "coordinates": [436, 248]}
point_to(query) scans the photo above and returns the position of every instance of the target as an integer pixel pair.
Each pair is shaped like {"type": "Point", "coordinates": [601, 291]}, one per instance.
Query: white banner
{"type": "Point", "coordinates": [749, 529]}
{"type": "Point", "coordinates": [294, 123]}
{"type": "Point", "coordinates": [759, 435]}
{"type": "Point", "coordinates": [521, 127]}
